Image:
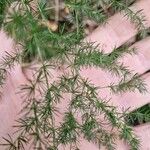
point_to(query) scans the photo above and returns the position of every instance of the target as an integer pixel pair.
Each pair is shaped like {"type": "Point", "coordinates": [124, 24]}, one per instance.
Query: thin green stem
{"type": "Point", "coordinates": [51, 116]}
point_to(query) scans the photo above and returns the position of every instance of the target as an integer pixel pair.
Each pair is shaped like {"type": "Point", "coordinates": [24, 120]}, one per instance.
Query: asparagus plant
{"type": "Point", "coordinates": [51, 33]}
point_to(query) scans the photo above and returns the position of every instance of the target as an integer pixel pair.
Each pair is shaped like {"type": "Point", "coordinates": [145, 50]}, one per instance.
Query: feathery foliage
{"type": "Point", "coordinates": [54, 39]}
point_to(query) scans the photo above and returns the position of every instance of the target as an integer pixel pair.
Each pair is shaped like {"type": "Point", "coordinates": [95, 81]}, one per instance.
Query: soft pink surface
{"type": "Point", "coordinates": [114, 34]}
